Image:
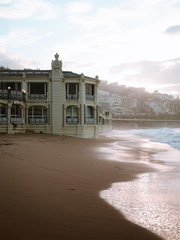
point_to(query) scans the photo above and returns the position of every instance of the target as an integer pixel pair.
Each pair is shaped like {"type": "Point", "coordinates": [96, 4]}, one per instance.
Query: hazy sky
{"type": "Point", "coordinates": [134, 42]}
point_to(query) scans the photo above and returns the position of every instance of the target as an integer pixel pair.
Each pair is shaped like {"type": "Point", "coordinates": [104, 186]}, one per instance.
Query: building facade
{"type": "Point", "coordinates": [49, 101]}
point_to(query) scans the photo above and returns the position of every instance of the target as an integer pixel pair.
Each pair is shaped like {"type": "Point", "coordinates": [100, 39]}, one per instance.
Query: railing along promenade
{"type": "Point", "coordinates": [144, 123]}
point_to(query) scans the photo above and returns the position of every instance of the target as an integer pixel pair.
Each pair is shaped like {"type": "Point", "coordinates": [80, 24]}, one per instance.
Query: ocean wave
{"type": "Point", "coordinates": [169, 136]}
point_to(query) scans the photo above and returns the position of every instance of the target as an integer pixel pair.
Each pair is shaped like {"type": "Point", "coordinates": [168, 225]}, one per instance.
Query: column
{"type": "Point", "coordinates": [64, 115]}
{"type": "Point", "coordinates": [26, 112]}
{"type": "Point", "coordinates": [82, 98]}
{"type": "Point", "coordinates": [95, 120]}
{"type": "Point", "coordinates": [9, 126]}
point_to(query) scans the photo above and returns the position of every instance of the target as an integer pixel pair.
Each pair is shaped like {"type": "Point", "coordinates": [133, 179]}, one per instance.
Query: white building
{"type": "Point", "coordinates": [49, 101]}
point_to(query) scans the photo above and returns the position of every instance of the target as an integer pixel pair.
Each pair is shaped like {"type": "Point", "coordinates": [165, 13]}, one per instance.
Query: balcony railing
{"type": "Point", "coordinates": [89, 97]}
{"type": "Point", "coordinates": [37, 121]}
{"type": "Point", "coordinates": [3, 120]}
{"type": "Point", "coordinates": [3, 94]}
{"type": "Point", "coordinates": [90, 121]}
{"type": "Point", "coordinates": [72, 97]}
{"type": "Point", "coordinates": [72, 121]}
{"type": "Point", "coordinates": [37, 97]}
{"type": "Point", "coordinates": [12, 94]}
{"type": "Point", "coordinates": [16, 121]}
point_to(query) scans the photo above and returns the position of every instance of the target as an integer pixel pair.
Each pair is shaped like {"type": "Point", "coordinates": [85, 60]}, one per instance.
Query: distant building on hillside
{"type": "Point", "coordinates": [49, 101]}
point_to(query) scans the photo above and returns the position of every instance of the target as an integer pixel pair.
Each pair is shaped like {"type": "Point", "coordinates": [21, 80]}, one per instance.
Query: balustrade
{"type": "Point", "coordinates": [16, 121]}
{"type": "Point", "coordinates": [37, 96]}
{"type": "Point", "coordinates": [3, 94]}
{"type": "Point", "coordinates": [72, 97]}
{"type": "Point", "coordinates": [89, 97]}
{"type": "Point", "coordinates": [72, 121]}
{"type": "Point", "coordinates": [37, 121]}
{"type": "Point", "coordinates": [12, 94]}
{"type": "Point", "coordinates": [90, 121]}
{"type": "Point", "coordinates": [3, 120]}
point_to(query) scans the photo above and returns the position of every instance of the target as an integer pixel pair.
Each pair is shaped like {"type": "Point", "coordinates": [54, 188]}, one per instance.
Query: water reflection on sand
{"type": "Point", "coordinates": [152, 200]}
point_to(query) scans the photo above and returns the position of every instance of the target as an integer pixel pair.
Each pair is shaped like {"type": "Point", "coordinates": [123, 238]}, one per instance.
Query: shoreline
{"type": "Point", "coordinates": [152, 199]}
{"type": "Point", "coordinates": [50, 188]}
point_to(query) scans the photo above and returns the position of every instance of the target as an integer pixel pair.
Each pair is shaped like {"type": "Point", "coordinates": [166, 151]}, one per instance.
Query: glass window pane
{"type": "Point", "coordinates": [75, 112]}
{"type": "Point", "coordinates": [37, 88]}
{"type": "Point", "coordinates": [72, 88]}
{"type": "Point", "coordinates": [30, 111]}
{"type": "Point", "coordinates": [89, 112]}
{"type": "Point", "coordinates": [2, 111]}
{"type": "Point", "coordinates": [38, 111]}
{"type": "Point", "coordinates": [68, 112]}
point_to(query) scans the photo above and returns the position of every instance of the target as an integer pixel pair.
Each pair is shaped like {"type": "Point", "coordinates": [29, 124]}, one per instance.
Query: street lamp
{"type": "Point", "coordinates": [9, 92]}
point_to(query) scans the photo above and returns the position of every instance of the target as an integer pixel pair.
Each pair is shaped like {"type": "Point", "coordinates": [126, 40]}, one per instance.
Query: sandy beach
{"type": "Point", "coordinates": [49, 189]}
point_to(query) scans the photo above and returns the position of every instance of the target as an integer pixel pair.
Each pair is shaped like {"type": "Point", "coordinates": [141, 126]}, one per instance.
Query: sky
{"type": "Point", "coordinates": [133, 42]}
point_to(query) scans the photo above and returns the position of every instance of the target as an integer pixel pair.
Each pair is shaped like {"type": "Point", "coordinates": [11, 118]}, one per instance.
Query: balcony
{"type": "Point", "coordinates": [37, 121]}
{"type": "Point", "coordinates": [72, 121]}
{"type": "Point", "coordinates": [90, 121]}
{"type": "Point", "coordinates": [89, 97]}
{"type": "Point", "coordinates": [3, 94]}
{"type": "Point", "coordinates": [12, 94]}
{"type": "Point", "coordinates": [37, 97]}
{"type": "Point", "coordinates": [3, 120]}
{"type": "Point", "coordinates": [73, 97]}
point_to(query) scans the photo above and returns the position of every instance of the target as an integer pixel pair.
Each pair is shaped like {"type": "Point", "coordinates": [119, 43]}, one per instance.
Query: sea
{"type": "Point", "coordinates": [152, 200]}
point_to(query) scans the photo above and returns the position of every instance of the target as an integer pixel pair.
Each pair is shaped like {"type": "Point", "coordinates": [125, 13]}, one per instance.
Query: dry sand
{"type": "Point", "coordinates": [49, 189]}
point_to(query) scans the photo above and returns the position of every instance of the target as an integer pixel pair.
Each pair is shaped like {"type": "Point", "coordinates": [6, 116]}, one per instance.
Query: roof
{"type": "Point", "coordinates": [67, 74]}
{"type": "Point", "coordinates": [26, 71]}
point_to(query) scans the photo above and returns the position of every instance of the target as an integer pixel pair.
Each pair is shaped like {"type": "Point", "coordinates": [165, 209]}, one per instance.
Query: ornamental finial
{"type": "Point", "coordinates": [56, 56]}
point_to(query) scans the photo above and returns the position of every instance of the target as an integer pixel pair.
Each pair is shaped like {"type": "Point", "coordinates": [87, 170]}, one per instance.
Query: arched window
{"type": "Point", "coordinates": [100, 121]}
{"type": "Point", "coordinates": [89, 115]}
{"type": "Point", "coordinates": [37, 115]}
{"type": "Point", "coordinates": [3, 114]}
{"type": "Point", "coordinates": [16, 114]}
{"type": "Point", "coordinates": [72, 117]}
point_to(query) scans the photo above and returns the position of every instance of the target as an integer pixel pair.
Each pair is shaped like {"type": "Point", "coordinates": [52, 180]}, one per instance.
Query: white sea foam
{"type": "Point", "coordinates": [152, 200]}
{"type": "Point", "coordinates": [170, 136]}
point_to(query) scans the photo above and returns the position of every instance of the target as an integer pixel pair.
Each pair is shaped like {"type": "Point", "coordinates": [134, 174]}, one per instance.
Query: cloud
{"type": "Point", "coordinates": [5, 1]}
{"type": "Point", "coordinates": [161, 75]}
{"type": "Point", "coordinates": [122, 15]}
{"type": "Point", "coordinates": [21, 9]}
{"type": "Point", "coordinates": [162, 72]}
{"type": "Point", "coordinates": [79, 7]}
{"type": "Point", "coordinates": [11, 61]}
{"type": "Point", "coordinates": [173, 30]}
{"type": "Point", "coordinates": [87, 16]}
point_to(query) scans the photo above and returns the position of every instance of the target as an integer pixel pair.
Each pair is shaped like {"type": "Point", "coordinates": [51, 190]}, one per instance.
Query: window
{"type": "Point", "coordinates": [16, 111]}
{"type": "Point", "coordinates": [107, 114]}
{"type": "Point", "coordinates": [15, 86]}
{"type": "Point", "coordinates": [3, 111]}
{"type": "Point", "coordinates": [89, 92]}
{"type": "Point", "coordinates": [89, 89]}
{"type": "Point", "coordinates": [3, 114]}
{"type": "Point", "coordinates": [72, 115]}
{"type": "Point", "coordinates": [37, 115]}
{"type": "Point", "coordinates": [16, 115]}
{"type": "Point", "coordinates": [72, 90]}
{"type": "Point", "coordinates": [37, 91]}
{"type": "Point", "coordinates": [89, 111]}
{"type": "Point", "coordinates": [89, 115]}
{"type": "Point", "coordinates": [37, 88]}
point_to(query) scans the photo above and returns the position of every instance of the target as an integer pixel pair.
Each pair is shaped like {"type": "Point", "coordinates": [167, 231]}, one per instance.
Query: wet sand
{"type": "Point", "coordinates": [152, 200]}
{"type": "Point", "coordinates": [49, 189]}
